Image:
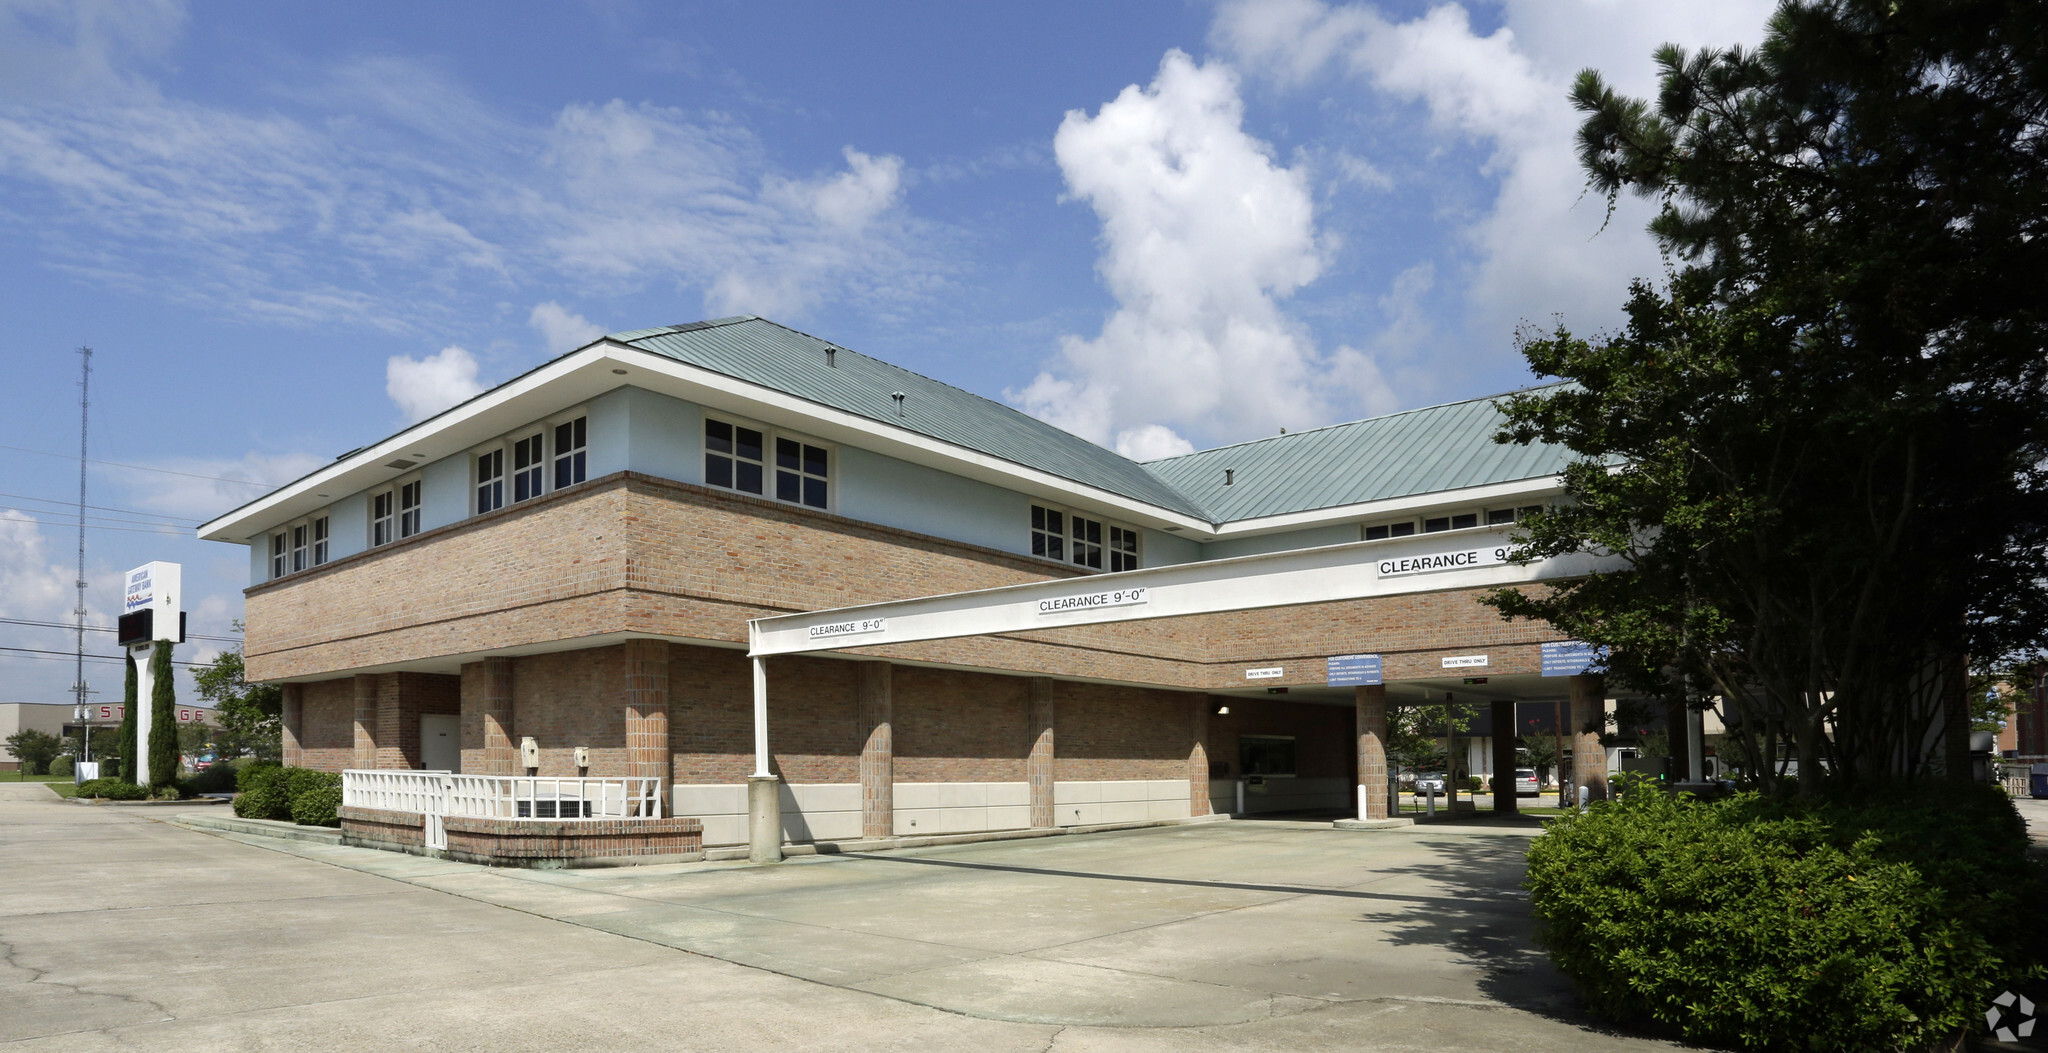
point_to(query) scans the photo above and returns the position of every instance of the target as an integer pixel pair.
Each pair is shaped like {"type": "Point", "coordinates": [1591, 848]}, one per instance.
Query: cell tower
{"type": "Point", "coordinates": [84, 406]}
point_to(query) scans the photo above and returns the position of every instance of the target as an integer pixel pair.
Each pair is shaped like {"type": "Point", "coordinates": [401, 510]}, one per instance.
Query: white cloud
{"type": "Point", "coordinates": [53, 49]}
{"type": "Point", "coordinates": [202, 488]}
{"type": "Point", "coordinates": [562, 329]}
{"type": "Point", "coordinates": [853, 198]}
{"type": "Point", "coordinates": [423, 387]}
{"type": "Point", "coordinates": [1202, 235]}
{"type": "Point", "coordinates": [1539, 250]}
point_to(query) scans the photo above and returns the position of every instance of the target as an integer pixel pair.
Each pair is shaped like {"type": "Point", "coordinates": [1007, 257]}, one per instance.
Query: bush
{"type": "Point", "coordinates": [218, 778]}
{"type": "Point", "coordinates": [63, 765]}
{"type": "Point", "coordinates": [316, 796]}
{"type": "Point", "coordinates": [1886, 923]}
{"type": "Point", "coordinates": [248, 765]}
{"type": "Point", "coordinates": [112, 790]}
{"type": "Point", "coordinates": [1474, 783]}
{"type": "Point", "coordinates": [265, 794]}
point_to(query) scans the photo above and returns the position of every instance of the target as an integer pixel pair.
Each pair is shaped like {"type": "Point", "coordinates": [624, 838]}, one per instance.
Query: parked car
{"type": "Point", "coordinates": [1432, 782]}
{"type": "Point", "coordinates": [1526, 784]}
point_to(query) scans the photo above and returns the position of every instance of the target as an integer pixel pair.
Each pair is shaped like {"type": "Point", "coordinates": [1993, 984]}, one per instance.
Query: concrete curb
{"type": "Point", "coordinates": [102, 802]}
{"type": "Point", "coordinates": [887, 844]}
{"type": "Point", "coordinates": [1372, 824]}
{"type": "Point", "coordinates": [283, 831]}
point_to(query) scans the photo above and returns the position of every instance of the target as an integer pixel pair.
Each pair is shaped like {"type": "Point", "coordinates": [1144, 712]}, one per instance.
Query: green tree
{"type": "Point", "coordinates": [163, 717]}
{"type": "Point", "coordinates": [250, 715]}
{"type": "Point", "coordinates": [34, 749]}
{"type": "Point", "coordinates": [1819, 449]}
{"type": "Point", "coordinates": [127, 749]}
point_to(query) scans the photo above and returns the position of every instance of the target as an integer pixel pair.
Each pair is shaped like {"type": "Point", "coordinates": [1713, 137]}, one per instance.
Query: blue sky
{"type": "Point", "coordinates": [288, 230]}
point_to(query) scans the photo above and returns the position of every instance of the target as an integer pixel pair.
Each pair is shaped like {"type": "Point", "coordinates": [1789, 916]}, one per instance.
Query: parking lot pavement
{"type": "Point", "coordinates": [121, 931]}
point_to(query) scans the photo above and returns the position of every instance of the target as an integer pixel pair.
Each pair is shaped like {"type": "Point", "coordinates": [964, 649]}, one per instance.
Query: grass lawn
{"type": "Point", "coordinates": [60, 784]}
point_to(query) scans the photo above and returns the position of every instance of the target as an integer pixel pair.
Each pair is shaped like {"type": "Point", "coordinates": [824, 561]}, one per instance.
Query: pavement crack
{"type": "Point", "coordinates": [12, 956]}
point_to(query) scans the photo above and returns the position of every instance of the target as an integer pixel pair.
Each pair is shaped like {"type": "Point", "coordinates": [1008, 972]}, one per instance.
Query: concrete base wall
{"type": "Point", "coordinates": [1119, 801]}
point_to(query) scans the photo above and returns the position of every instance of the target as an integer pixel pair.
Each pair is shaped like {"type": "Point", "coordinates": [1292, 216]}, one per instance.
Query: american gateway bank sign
{"type": "Point", "coordinates": [1436, 562]}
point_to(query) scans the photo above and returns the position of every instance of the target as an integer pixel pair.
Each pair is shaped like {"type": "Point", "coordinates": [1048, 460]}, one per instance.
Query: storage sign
{"type": "Point", "coordinates": [1348, 670]}
{"type": "Point", "coordinates": [852, 628]}
{"type": "Point", "coordinates": [1089, 601]}
{"type": "Point", "coordinates": [140, 590]}
{"type": "Point", "coordinates": [1437, 562]}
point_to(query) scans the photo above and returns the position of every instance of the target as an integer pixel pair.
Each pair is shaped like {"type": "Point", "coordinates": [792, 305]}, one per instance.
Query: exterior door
{"type": "Point", "coordinates": [441, 742]}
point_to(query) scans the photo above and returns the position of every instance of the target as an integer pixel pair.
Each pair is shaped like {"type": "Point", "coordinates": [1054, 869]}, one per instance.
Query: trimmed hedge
{"type": "Point", "coordinates": [316, 797]}
{"type": "Point", "coordinates": [112, 790]}
{"type": "Point", "coordinates": [301, 795]}
{"type": "Point", "coordinates": [63, 765]}
{"type": "Point", "coordinates": [1885, 923]}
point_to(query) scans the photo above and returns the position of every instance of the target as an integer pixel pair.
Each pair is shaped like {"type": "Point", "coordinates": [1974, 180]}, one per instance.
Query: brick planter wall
{"type": "Point", "coordinates": [382, 828]}
{"type": "Point", "coordinates": [543, 842]}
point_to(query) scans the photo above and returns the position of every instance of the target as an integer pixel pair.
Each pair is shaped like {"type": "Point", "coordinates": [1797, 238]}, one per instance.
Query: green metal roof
{"type": "Point", "coordinates": [1419, 451]}
{"type": "Point", "coordinates": [761, 352]}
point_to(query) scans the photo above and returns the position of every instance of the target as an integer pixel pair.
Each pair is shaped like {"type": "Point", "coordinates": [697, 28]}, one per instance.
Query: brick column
{"type": "Point", "coordinates": [1198, 756]}
{"type": "Point", "coordinates": [647, 750]}
{"type": "Point", "coordinates": [501, 750]}
{"type": "Point", "coordinates": [1369, 702]}
{"type": "Point", "coordinates": [1589, 758]}
{"type": "Point", "coordinates": [1504, 758]}
{"type": "Point", "coordinates": [391, 734]}
{"type": "Point", "coordinates": [365, 723]}
{"type": "Point", "coordinates": [293, 720]}
{"type": "Point", "coordinates": [1038, 764]}
{"type": "Point", "coordinates": [877, 750]}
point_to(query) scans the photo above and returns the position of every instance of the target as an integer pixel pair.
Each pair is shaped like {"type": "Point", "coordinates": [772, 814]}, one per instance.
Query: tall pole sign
{"type": "Point", "coordinates": [149, 613]}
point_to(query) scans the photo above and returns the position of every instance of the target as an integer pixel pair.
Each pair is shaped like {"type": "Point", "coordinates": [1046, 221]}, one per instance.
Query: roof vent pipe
{"type": "Point", "coordinates": [898, 396]}
{"type": "Point", "coordinates": [1229, 476]}
{"type": "Point", "coordinates": [831, 358]}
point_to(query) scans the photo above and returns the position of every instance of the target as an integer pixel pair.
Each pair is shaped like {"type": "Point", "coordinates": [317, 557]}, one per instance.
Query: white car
{"type": "Point", "coordinates": [1526, 784]}
{"type": "Point", "coordinates": [1431, 782]}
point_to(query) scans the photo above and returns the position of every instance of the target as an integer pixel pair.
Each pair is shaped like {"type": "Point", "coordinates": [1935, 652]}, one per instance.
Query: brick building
{"type": "Point", "coordinates": [569, 562]}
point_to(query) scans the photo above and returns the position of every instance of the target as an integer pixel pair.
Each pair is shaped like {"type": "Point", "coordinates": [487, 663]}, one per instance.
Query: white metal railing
{"type": "Point", "coordinates": [438, 794]}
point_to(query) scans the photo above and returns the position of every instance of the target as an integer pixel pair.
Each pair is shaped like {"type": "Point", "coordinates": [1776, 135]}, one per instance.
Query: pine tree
{"type": "Point", "coordinates": [129, 754]}
{"type": "Point", "coordinates": [163, 718]}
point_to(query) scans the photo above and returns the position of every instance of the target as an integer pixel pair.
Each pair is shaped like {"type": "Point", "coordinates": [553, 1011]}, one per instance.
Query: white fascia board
{"type": "Point", "coordinates": [563, 382]}
{"type": "Point", "coordinates": [1519, 489]}
{"type": "Point", "coordinates": [720, 392]}
{"type": "Point", "coordinates": [1328, 574]}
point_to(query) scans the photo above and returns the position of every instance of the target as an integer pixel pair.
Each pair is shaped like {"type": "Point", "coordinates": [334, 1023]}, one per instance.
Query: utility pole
{"type": "Point", "coordinates": [78, 685]}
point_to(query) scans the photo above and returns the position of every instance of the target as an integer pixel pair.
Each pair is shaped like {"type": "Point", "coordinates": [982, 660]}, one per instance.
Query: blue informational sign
{"type": "Point", "coordinates": [1571, 657]}
{"type": "Point", "coordinates": [1348, 670]}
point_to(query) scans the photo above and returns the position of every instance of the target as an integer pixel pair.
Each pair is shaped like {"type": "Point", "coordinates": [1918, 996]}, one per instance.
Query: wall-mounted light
{"type": "Point", "coordinates": [618, 372]}
{"type": "Point", "coordinates": [1222, 711]}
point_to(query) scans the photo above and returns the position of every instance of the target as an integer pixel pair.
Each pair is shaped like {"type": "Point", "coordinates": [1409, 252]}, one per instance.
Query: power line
{"type": "Point", "coordinates": [98, 519]}
{"type": "Point", "coordinates": [105, 508]}
{"type": "Point", "coordinates": [142, 468]}
{"type": "Point", "coordinates": [106, 629]}
{"type": "Point", "coordinates": [35, 652]}
{"type": "Point", "coordinates": [181, 532]}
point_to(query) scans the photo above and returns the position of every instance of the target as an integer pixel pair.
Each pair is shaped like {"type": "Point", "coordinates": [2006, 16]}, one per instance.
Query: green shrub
{"type": "Point", "coordinates": [316, 796]}
{"type": "Point", "coordinates": [1886, 923]}
{"type": "Point", "coordinates": [112, 790]}
{"type": "Point", "coordinates": [218, 778]}
{"type": "Point", "coordinates": [265, 794]}
{"type": "Point", "coordinates": [63, 765]}
{"type": "Point", "coordinates": [245, 767]}
{"type": "Point", "coordinates": [1474, 783]}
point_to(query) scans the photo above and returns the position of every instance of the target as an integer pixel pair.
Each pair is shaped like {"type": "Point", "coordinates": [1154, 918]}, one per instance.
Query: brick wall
{"type": "Point", "coordinates": [382, 828]}
{"type": "Point", "coordinates": [327, 731]}
{"type": "Point", "coordinates": [528, 842]}
{"type": "Point", "coordinates": [956, 726]}
{"type": "Point", "coordinates": [1106, 732]}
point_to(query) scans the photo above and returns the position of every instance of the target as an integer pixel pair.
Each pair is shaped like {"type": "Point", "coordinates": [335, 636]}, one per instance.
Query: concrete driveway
{"type": "Point", "coordinates": [121, 931]}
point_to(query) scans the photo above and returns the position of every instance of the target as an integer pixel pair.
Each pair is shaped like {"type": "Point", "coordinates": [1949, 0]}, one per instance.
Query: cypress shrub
{"type": "Point", "coordinates": [1888, 922]}
{"type": "Point", "coordinates": [163, 718]}
{"type": "Point", "coordinates": [128, 737]}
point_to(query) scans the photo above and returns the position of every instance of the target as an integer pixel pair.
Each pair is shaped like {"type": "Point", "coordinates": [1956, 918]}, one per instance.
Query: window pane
{"type": "Point", "coordinates": [788, 454]}
{"type": "Point", "coordinates": [788, 486]}
{"type": "Point", "coordinates": [1376, 533]}
{"type": "Point", "coordinates": [1037, 543]}
{"type": "Point", "coordinates": [748, 442]}
{"type": "Point", "coordinates": [717, 470]}
{"type": "Point", "coordinates": [1431, 526]}
{"type": "Point", "coordinates": [1402, 529]}
{"type": "Point", "coordinates": [569, 470]}
{"type": "Point", "coordinates": [718, 436]}
{"type": "Point", "coordinates": [749, 477]}
{"type": "Point", "coordinates": [1037, 518]}
{"type": "Point", "coordinates": [1527, 510]}
{"type": "Point", "coordinates": [1054, 547]}
{"type": "Point", "coordinates": [1469, 519]}
{"type": "Point", "coordinates": [1055, 522]}
{"type": "Point", "coordinates": [1497, 516]}
{"type": "Point", "coordinates": [814, 461]}
{"type": "Point", "coordinates": [814, 492]}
